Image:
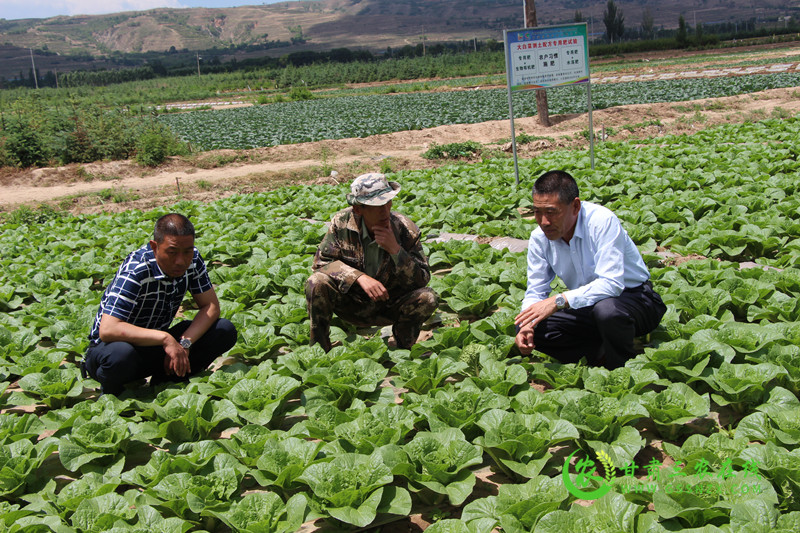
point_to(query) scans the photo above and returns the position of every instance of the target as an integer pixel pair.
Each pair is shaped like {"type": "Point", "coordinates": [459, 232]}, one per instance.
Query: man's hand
{"type": "Point", "coordinates": [177, 358]}
{"type": "Point", "coordinates": [385, 238]}
{"type": "Point", "coordinates": [536, 313]}
{"type": "Point", "coordinates": [524, 340]}
{"type": "Point", "coordinates": [374, 288]}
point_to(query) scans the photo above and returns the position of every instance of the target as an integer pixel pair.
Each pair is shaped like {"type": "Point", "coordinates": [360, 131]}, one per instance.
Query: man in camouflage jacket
{"type": "Point", "coordinates": [369, 268]}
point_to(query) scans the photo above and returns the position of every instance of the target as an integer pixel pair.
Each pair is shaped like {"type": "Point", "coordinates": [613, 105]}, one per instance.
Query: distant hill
{"type": "Point", "coordinates": [65, 43]}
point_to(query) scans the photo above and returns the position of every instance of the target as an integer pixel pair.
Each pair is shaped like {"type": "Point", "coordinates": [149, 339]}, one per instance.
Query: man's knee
{"type": "Point", "coordinates": [428, 301]}
{"type": "Point", "coordinates": [420, 306]}
{"type": "Point", "coordinates": [318, 284]}
{"type": "Point", "coordinates": [227, 333]}
{"type": "Point", "coordinates": [322, 297]}
{"type": "Point", "coordinates": [117, 363]}
{"type": "Point", "coordinates": [609, 311]}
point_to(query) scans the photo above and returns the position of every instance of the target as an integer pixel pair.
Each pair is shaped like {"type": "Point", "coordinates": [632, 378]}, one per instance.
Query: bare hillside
{"type": "Point", "coordinates": [327, 24]}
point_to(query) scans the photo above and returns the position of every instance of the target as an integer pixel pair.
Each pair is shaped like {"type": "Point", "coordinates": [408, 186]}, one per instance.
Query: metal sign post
{"type": "Point", "coordinates": [546, 57]}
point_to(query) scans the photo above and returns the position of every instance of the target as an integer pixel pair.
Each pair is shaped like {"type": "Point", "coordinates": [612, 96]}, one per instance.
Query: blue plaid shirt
{"type": "Point", "coordinates": [142, 295]}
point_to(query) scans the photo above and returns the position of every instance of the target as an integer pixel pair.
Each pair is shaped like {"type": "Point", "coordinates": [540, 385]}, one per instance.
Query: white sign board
{"type": "Point", "coordinates": [544, 57]}
{"type": "Point", "coordinates": [549, 56]}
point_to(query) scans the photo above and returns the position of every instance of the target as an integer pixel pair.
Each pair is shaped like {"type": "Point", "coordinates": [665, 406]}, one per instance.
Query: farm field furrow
{"type": "Point", "coordinates": [283, 434]}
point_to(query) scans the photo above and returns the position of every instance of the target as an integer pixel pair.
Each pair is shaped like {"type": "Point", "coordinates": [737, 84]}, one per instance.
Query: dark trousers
{"type": "Point", "coordinates": [114, 364]}
{"type": "Point", "coordinates": [604, 332]}
{"type": "Point", "coordinates": [405, 311]}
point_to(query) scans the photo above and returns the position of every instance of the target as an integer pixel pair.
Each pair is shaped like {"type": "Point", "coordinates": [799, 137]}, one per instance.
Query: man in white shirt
{"type": "Point", "coordinates": [609, 300]}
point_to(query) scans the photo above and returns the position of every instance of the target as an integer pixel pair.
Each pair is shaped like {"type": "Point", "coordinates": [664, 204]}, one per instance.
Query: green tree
{"type": "Point", "coordinates": [22, 145]}
{"type": "Point", "coordinates": [682, 31]}
{"type": "Point", "coordinates": [152, 148]}
{"type": "Point", "coordinates": [297, 34]}
{"type": "Point", "coordinates": [648, 25]}
{"type": "Point", "coordinates": [579, 17]}
{"type": "Point", "coordinates": [614, 20]}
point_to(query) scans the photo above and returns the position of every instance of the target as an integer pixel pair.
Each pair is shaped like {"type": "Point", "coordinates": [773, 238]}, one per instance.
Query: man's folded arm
{"type": "Point", "coordinates": [113, 329]}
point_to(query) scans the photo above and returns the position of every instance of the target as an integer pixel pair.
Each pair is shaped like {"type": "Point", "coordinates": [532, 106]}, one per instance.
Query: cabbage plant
{"type": "Point", "coordinates": [436, 465]}
{"type": "Point", "coordinates": [354, 488]}
{"type": "Point", "coordinates": [99, 441]}
{"type": "Point", "coordinates": [257, 512]}
{"type": "Point", "coordinates": [519, 443]}
{"type": "Point", "coordinates": [191, 417]}
{"type": "Point", "coordinates": [55, 387]}
{"type": "Point", "coordinates": [518, 508]}
{"type": "Point", "coordinates": [743, 386]}
{"type": "Point", "coordinates": [260, 401]}
{"type": "Point", "coordinates": [604, 423]}
{"type": "Point", "coordinates": [673, 407]}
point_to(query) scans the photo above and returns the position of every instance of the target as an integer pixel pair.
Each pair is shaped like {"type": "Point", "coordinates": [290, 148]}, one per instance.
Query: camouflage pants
{"type": "Point", "coordinates": [406, 312]}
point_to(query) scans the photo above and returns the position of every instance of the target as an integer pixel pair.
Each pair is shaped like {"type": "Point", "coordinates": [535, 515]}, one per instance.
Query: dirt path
{"type": "Point", "coordinates": [118, 185]}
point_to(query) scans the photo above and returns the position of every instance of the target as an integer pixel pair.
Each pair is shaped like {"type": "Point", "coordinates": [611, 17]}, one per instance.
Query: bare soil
{"type": "Point", "coordinates": [112, 186]}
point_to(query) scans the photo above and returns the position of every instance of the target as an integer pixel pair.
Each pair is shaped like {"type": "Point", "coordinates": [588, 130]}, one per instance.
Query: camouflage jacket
{"type": "Point", "coordinates": [341, 254]}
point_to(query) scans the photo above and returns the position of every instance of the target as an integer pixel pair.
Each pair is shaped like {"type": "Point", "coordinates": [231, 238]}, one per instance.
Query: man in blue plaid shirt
{"type": "Point", "coordinates": [131, 337]}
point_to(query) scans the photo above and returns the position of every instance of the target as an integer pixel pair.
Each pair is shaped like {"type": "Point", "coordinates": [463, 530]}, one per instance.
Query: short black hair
{"type": "Point", "coordinates": [173, 225]}
{"type": "Point", "coordinates": [557, 182]}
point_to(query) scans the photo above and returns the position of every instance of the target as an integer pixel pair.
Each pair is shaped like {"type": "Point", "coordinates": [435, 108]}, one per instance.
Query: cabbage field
{"type": "Point", "coordinates": [365, 115]}
{"type": "Point", "coordinates": [701, 432]}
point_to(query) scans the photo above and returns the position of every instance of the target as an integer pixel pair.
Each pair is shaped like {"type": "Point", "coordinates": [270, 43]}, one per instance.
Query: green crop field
{"type": "Point", "coordinates": [699, 433]}
{"type": "Point", "coordinates": [85, 123]}
{"type": "Point", "coordinates": [365, 115]}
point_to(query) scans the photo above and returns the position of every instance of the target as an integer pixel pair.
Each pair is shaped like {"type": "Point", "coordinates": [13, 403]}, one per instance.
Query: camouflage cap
{"type": "Point", "coordinates": [372, 189]}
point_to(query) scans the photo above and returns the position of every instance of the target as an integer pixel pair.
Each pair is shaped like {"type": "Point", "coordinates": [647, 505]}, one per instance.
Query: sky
{"type": "Point", "coordinates": [23, 9]}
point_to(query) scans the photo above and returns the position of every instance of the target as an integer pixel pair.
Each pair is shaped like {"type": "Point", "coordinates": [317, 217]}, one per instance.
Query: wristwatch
{"type": "Point", "coordinates": [561, 302]}
{"type": "Point", "coordinates": [185, 343]}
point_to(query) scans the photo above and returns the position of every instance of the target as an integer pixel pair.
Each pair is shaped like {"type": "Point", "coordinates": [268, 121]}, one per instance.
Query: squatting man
{"type": "Point", "coordinates": [131, 337]}
{"type": "Point", "coordinates": [369, 268]}
{"type": "Point", "coordinates": [610, 299]}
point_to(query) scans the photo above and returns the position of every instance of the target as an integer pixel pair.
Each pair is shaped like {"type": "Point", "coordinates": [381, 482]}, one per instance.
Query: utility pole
{"type": "Point", "coordinates": [198, 64]}
{"type": "Point", "coordinates": [35, 77]}
{"type": "Point", "coordinates": [541, 94]}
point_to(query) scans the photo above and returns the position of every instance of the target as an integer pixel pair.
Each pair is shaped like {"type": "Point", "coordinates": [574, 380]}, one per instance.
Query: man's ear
{"type": "Point", "coordinates": [576, 205]}
{"type": "Point", "coordinates": [153, 245]}
{"type": "Point", "coordinates": [357, 209]}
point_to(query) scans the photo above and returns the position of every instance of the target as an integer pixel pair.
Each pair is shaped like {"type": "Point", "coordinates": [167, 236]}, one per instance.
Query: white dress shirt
{"type": "Point", "coordinates": [599, 262]}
